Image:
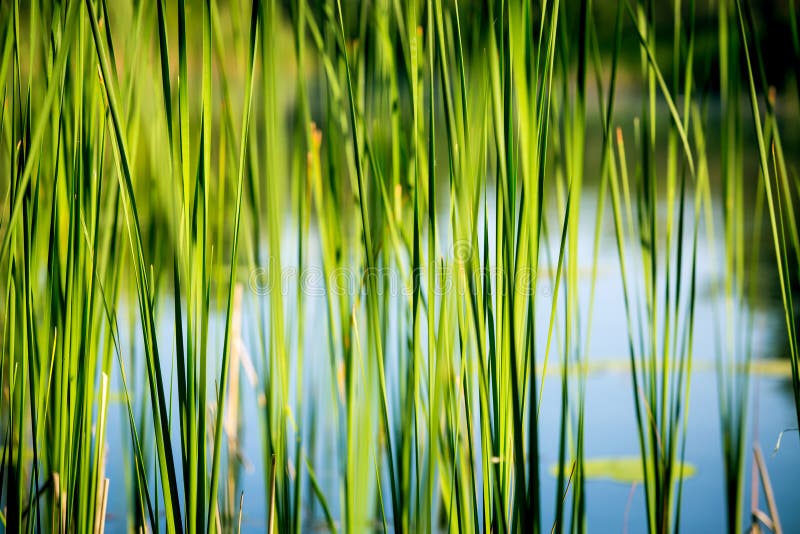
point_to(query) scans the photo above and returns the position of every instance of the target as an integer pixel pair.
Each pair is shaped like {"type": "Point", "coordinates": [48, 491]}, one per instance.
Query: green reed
{"type": "Point", "coordinates": [435, 150]}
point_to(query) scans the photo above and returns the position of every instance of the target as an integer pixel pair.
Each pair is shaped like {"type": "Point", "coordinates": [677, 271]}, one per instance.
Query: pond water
{"type": "Point", "coordinates": [609, 417]}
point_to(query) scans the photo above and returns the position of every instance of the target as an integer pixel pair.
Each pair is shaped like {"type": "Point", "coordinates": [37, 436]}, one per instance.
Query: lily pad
{"type": "Point", "coordinates": [622, 469]}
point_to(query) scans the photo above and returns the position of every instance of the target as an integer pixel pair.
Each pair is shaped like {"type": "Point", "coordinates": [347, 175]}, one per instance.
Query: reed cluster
{"type": "Point", "coordinates": [164, 163]}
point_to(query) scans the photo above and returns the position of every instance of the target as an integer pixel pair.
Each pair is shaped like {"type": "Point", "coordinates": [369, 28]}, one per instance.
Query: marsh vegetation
{"type": "Point", "coordinates": [389, 265]}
